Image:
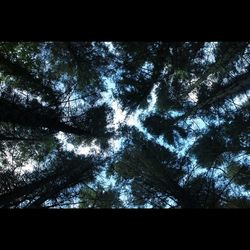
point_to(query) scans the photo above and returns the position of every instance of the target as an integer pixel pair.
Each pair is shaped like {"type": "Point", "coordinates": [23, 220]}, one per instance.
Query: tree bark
{"type": "Point", "coordinates": [27, 117]}
{"type": "Point", "coordinates": [240, 84]}
{"type": "Point", "coordinates": [44, 186]}
{"type": "Point", "coordinates": [29, 82]}
{"type": "Point", "coordinates": [217, 66]}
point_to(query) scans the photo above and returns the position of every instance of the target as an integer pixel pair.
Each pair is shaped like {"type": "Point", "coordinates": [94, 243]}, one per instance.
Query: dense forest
{"type": "Point", "coordinates": [124, 125]}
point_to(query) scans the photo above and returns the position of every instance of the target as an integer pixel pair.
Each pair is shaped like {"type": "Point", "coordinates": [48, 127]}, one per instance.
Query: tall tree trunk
{"type": "Point", "coordinates": [218, 66]}
{"type": "Point", "coordinates": [240, 84]}
{"type": "Point", "coordinates": [14, 138]}
{"type": "Point", "coordinates": [27, 117]}
{"type": "Point", "coordinates": [29, 81]}
{"type": "Point", "coordinates": [67, 178]}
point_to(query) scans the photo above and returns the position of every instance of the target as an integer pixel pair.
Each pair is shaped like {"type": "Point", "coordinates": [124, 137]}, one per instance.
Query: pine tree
{"type": "Point", "coordinates": [34, 107]}
{"type": "Point", "coordinates": [227, 131]}
{"type": "Point", "coordinates": [191, 149]}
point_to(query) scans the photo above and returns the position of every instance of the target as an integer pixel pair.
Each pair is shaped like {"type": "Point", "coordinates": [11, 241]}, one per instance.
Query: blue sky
{"type": "Point", "coordinates": [122, 117]}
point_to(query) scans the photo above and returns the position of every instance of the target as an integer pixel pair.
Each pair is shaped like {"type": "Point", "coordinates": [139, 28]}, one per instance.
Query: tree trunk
{"type": "Point", "coordinates": [27, 117]}
{"type": "Point", "coordinates": [237, 86]}
{"type": "Point", "coordinates": [44, 186]}
{"type": "Point", "coordinates": [218, 66]}
{"type": "Point", "coordinates": [29, 82]}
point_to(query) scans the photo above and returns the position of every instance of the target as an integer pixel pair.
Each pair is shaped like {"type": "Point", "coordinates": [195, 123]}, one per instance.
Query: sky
{"type": "Point", "coordinates": [122, 117]}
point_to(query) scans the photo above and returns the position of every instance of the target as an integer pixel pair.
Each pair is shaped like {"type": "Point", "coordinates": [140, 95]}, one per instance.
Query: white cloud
{"type": "Point", "coordinates": [115, 144]}
{"type": "Point", "coordinates": [28, 167]}
{"type": "Point", "coordinates": [87, 150]}
{"type": "Point", "coordinates": [119, 115]}
{"type": "Point", "coordinates": [240, 99]}
{"type": "Point", "coordinates": [193, 96]}
{"type": "Point", "coordinates": [133, 119]}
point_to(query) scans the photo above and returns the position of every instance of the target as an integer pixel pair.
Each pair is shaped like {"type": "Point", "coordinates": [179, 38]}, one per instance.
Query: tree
{"type": "Point", "coordinates": [190, 149]}
{"type": "Point", "coordinates": [215, 87]}
{"type": "Point", "coordinates": [99, 198]}
{"type": "Point", "coordinates": [34, 107]}
{"type": "Point", "coordinates": [46, 182]}
{"type": "Point", "coordinates": [153, 169]}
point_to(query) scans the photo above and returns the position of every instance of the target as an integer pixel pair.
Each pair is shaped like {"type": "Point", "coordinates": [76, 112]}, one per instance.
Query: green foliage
{"type": "Point", "coordinates": [238, 203]}
{"type": "Point", "coordinates": [239, 174]}
{"type": "Point", "coordinates": [209, 148]}
{"type": "Point", "coordinates": [157, 126]}
{"type": "Point", "coordinates": [99, 198]}
{"type": "Point", "coordinates": [165, 101]}
{"type": "Point", "coordinates": [204, 190]}
{"type": "Point", "coordinates": [52, 90]}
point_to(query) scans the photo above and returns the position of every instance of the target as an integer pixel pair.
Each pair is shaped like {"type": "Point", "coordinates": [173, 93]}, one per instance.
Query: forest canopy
{"type": "Point", "coordinates": [124, 124]}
